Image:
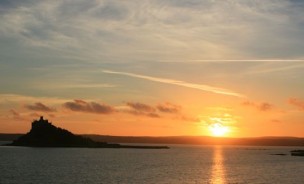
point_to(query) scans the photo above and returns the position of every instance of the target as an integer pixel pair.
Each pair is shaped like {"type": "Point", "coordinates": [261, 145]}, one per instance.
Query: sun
{"type": "Point", "coordinates": [218, 130]}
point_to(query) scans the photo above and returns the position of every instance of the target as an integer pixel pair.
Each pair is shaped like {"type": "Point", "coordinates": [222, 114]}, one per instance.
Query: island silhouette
{"type": "Point", "coordinates": [44, 134]}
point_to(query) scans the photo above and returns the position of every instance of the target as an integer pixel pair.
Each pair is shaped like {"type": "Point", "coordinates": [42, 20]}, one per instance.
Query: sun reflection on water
{"type": "Point", "coordinates": [218, 168]}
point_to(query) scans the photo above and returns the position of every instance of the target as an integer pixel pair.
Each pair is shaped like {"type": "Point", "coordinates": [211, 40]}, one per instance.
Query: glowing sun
{"type": "Point", "coordinates": [218, 130]}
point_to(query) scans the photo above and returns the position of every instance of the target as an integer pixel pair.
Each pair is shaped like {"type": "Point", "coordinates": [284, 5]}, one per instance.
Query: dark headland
{"type": "Point", "coordinates": [44, 134]}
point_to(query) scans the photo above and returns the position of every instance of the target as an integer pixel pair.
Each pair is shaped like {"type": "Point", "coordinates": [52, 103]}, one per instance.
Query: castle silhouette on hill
{"type": "Point", "coordinates": [44, 134]}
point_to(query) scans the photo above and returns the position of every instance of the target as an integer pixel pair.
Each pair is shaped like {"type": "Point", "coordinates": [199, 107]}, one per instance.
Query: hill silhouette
{"type": "Point", "coordinates": [44, 134]}
{"type": "Point", "coordinates": [40, 137]}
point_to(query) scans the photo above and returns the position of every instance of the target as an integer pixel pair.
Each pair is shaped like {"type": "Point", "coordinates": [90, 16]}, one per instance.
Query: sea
{"type": "Point", "coordinates": [178, 165]}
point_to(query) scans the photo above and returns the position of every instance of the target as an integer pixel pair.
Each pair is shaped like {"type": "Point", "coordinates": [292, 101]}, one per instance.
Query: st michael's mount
{"type": "Point", "coordinates": [44, 134]}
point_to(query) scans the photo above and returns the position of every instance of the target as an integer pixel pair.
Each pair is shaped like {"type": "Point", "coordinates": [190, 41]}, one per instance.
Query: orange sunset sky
{"type": "Point", "coordinates": [153, 68]}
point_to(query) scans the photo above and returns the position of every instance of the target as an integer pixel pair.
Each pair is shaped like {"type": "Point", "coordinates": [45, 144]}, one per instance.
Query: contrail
{"type": "Point", "coordinates": [180, 83]}
{"type": "Point", "coordinates": [230, 60]}
{"type": "Point", "coordinates": [277, 69]}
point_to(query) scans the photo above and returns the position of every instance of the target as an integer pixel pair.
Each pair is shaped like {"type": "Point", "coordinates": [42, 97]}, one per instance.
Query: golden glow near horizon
{"type": "Point", "coordinates": [221, 124]}
{"type": "Point", "coordinates": [218, 130]}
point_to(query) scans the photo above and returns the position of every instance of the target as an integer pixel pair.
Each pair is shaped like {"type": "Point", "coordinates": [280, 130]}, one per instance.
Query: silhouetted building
{"type": "Point", "coordinates": [44, 134]}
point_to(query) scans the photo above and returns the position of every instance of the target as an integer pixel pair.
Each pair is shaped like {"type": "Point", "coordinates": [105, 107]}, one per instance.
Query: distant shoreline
{"type": "Point", "coordinates": [187, 140]}
{"type": "Point", "coordinates": [44, 134]}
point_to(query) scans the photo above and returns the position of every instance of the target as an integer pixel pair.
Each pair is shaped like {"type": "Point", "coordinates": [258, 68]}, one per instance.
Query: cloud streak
{"type": "Point", "coordinates": [289, 65]}
{"type": "Point", "coordinates": [201, 87]}
{"type": "Point", "coordinates": [229, 60]}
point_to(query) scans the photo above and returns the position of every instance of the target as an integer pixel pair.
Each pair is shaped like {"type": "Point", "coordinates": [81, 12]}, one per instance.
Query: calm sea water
{"type": "Point", "coordinates": [180, 164]}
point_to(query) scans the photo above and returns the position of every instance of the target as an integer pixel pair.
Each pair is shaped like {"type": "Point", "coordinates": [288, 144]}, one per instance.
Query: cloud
{"type": "Point", "coordinates": [16, 115]}
{"type": "Point", "coordinates": [264, 106]}
{"type": "Point", "coordinates": [201, 87]}
{"type": "Point", "coordinates": [39, 107]}
{"type": "Point", "coordinates": [14, 98]}
{"type": "Point", "coordinates": [140, 113]}
{"type": "Point", "coordinates": [190, 119]}
{"type": "Point", "coordinates": [203, 29]}
{"type": "Point", "coordinates": [241, 61]}
{"type": "Point", "coordinates": [297, 102]}
{"type": "Point", "coordinates": [168, 108]}
{"type": "Point", "coordinates": [248, 103]}
{"type": "Point", "coordinates": [108, 32]}
{"type": "Point", "coordinates": [276, 121]}
{"type": "Point", "coordinates": [153, 115]}
{"type": "Point", "coordinates": [13, 112]}
{"type": "Point", "coordinates": [162, 110]}
{"type": "Point", "coordinates": [69, 85]}
{"type": "Point", "coordinates": [223, 119]}
{"type": "Point", "coordinates": [140, 107]}
{"type": "Point", "coordinates": [91, 107]}
{"type": "Point", "coordinates": [278, 66]}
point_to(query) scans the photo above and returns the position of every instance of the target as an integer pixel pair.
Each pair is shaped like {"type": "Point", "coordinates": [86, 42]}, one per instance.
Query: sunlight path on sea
{"type": "Point", "coordinates": [218, 167]}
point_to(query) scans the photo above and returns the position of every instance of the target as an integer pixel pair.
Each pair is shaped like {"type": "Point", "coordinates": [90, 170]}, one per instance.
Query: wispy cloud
{"type": "Point", "coordinates": [75, 86]}
{"type": "Point", "coordinates": [168, 108]}
{"type": "Point", "coordinates": [228, 60]}
{"type": "Point", "coordinates": [275, 67]}
{"type": "Point", "coordinates": [15, 115]}
{"type": "Point", "coordinates": [297, 102]}
{"type": "Point", "coordinates": [141, 107]}
{"type": "Point", "coordinates": [91, 107]}
{"type": "Point", "coordinates": [89, 86]}
{"type": "Point", "coordinates": [138, 29]}
{"type": "Point", "coordinates": [263, 106]}
{"type": "Point", "coordinates": [201, 87]}
{"type": "Point", "coordinates": [16, 99]}
{"type": "Point", "coordinates": [163, 110]}
{"type": "Point", "coordinates": [39, 107]}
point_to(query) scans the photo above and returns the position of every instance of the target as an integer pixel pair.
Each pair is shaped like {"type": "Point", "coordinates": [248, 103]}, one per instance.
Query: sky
{"type": "Point", "coordinates": [153, 67]}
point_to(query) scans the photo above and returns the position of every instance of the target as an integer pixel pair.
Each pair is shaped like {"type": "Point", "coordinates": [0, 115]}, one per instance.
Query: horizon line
{"type": "Point", "coordinates": [163, 136]}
